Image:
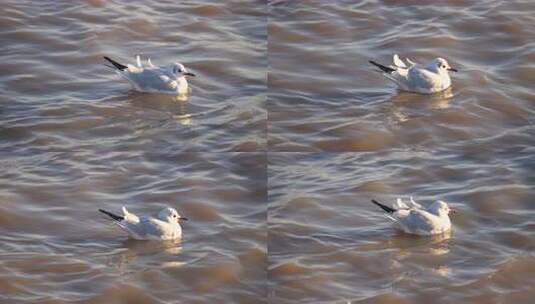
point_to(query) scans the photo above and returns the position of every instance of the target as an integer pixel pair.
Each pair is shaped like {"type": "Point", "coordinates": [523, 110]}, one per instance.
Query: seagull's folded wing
{"type": "Point", "coordinates": [421, 79]}
{"type": "Point", "coordinates": [414, 204]}
{"type": "Point", "coordinates": [130, 217]}
{"type": "Point", "coordinates": [168, 82]}
{"type": "Point", "coordinates": [399, 204]}
{"type": "Point", "coordinates": [146, 228]}
{"type": "Point", "coordinates": [155, 228]}
{"type": "Point", "coordinates": [398, 62]}
{"type": "Point", "coordinates": [418, 221]}
{"type": "Point", "coordinates": [410, 62]}
{"type": "Point", "coordinates": [134, 69]}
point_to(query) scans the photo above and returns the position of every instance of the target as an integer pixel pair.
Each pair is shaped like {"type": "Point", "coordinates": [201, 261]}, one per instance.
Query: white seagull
{"type": "Point", "coordinates": [413, 77]}
{"type": "Point", "coordinates": [165, 227]}
{"type": "Point", "coordinates": [412, 218]}
{"type": "Point", "coordinates": [170, 79]}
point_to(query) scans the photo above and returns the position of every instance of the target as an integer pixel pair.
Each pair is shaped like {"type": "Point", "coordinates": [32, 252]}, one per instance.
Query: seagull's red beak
{"type": "Point", "coordinates": [189, 74]}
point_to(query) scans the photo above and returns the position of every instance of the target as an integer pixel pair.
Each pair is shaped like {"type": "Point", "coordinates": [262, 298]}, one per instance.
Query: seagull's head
{"type": "Point", "coordinates": [441, 65]}
{"type": "Point", "coordinates": [441, 208]}
{"type": "Point", "coordinates": [170, 215]}
{"type": "Point", "coordinates": [180, 70]}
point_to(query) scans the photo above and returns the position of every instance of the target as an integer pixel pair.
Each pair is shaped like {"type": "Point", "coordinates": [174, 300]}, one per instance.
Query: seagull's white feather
{"type": "Point", "coordinates": [152, 229]}
{"type": "Point", "coordinates": [165, 227]}
{"type": "Point", "coordinates": [426, 79]}
{"type": "Point", "coordinates": [130, 217]}
{"type": "Point", "coordinates": [398, 62]}
{"type": "Point", "coordinates": [400, 204]}
{"type": "Point", "coordinates": [420, 222]}
{"type": "Point", "coordinates": [414, 219]}
{"type": "Point", "coordinates": [159, 80]}
{"type": "Point", "coordinates": [170, 79]}
{"type": "Point", "coordinates": [414, 204]}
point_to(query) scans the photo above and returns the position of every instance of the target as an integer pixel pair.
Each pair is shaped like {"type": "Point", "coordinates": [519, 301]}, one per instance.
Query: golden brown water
{"type": "Point", "coordinates": [58, 95]}
{"type": "Point", "coordinates": [56, 248]}
{"type": "Point", "coordinates": [472, 146]}
{"type": "Point", "coordinates": [73, 138]}
{"type": "Point", "coordinates": [325, 96]}
{"type": "Point", "coordinates": [278, 192]}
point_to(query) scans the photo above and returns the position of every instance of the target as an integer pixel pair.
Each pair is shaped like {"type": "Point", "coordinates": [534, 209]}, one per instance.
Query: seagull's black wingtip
{"type": "Point", "coordinates": [113, 216]}
{"type": "Point", "coordinates": [116, 64]}
{"type": "Point", "coordinates": [384, 207]}
{"type": "Point", "coordinates": [383, 68]}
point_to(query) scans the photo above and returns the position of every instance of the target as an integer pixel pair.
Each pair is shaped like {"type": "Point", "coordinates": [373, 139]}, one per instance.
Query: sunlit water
{"type": "Point", "coordinates": [75, 138]}
{"type": "Point", "coordinates": [472, 146]}
{"type": "Point", "coordinates": [57, 94]}
{"type": "Point", "coordinates": [329, 243]}
{"type": "Point", "coordinates": [55, 245]}
{"type": "Point", "coordinates": [325, 96]}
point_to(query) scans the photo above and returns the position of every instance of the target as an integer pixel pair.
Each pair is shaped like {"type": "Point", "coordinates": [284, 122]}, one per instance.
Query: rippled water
{"type": "Point", "coordinates": [74, 138]}
{"type": "Point", "coordinates": [328, 243]}
{"type": "Point", "coordinates": [325, 96]}
{"type": "Point", "coordinates": [472, 146]}
{"type": "Point", "coordinates": [58, 95]}
{"type": "Point", "coordinates": [278, 191]}
{"type": "Point", "coordinates": [55, 247]}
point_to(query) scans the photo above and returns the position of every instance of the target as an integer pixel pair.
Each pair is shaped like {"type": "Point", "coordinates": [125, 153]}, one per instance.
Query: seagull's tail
{"type": "Point", "coordinates": [113, 216]}
{"type": "Point", "coordinates": [116, 64]}
{"type": "Point", "coordinates": [384, 207]}
{"type": "Point", "coordinates": [383, 68]}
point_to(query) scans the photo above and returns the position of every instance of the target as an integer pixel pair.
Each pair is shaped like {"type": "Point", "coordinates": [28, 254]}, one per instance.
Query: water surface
{"type": "Point", "coordinates": [360, 138]}
{"type": "Point", "coordinates": [329, 244]}
{"type": "Point", "coordinates": [57, 95]}
{"type": "Point", "coordinates": [74, 138]}
{"type": "Point", "coordinates": [55, 247]}
{"type": "Point", "coordinates": [325, 96]}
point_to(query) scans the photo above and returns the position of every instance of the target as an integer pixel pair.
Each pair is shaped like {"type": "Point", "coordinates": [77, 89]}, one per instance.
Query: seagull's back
{"type": "Point", "coordinates": [151, 79]}
{"type": "Point", "coordinates": [422, 80]}
{"type": "Point", "coordinates": [152, 228]}
{"type": "Point", "coordinates": [422, 222]}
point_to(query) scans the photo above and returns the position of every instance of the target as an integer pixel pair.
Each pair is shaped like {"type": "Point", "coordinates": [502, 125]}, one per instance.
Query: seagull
{"type": "Point", "coordinates": [413, 77]}
{"type": "Point", "coordinates": [165, 227]}
{"type": "Point", "coordinates": [170, 79]}
{"type": "Point", "coordinates": [412, 218]}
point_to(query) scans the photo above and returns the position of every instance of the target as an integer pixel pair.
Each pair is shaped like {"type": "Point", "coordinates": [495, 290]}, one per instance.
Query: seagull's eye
{"type": "Point", "coordinates": [174, 215]}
